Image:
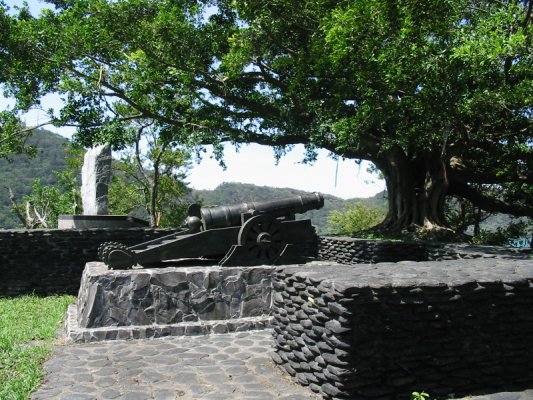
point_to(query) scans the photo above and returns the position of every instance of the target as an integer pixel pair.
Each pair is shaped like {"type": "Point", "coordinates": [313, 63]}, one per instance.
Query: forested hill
{"type": "Point", "coordinates": [233, 193]}
{"type": "Point", "coordinates": [22, 170]}
{"type": "Point", "coordinates": [19, 173]}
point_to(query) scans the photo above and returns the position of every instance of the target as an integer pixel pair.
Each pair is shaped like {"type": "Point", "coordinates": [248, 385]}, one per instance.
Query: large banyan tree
{"type": "Point", "coordinates": [437, 94]}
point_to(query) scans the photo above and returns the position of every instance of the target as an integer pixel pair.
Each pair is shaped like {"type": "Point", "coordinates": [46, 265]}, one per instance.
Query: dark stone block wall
{"type": "Point", "coordinates": [384, 330]}
{"type": "Point", "coordinates": [51, 261]}
{"type": "Point", "coordinates": [346, 250]}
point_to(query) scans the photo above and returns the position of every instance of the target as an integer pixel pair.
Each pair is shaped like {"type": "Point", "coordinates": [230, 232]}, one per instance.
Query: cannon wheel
{"type": "Point", "coordinates": [116, 255]}
{"type": "Point", "coordinates": [262, 238]}
{"type": "Point", "coordinates": [104, 249]}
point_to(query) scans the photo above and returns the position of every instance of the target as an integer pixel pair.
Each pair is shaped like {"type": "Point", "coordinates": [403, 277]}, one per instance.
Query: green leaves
{"type": "Point", "coordinates": [149, 179]}
{"type": "Point", "coordinates": [420, 396]}
{"type": "Point", "coordinates": [12, 136]}
{"type": "Point", "coordinates": [355, 218]}
{"type": "Point", "coordinates": [361, 79]}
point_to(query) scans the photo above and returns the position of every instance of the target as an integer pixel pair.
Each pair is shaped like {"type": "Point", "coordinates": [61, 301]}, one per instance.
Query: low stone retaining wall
{"type": "Point", "coordinates": [51, 261]}
{"type": "Point", "coordinates": [346, 250]}
{"type": "Point", "coordinates": [385, 330]}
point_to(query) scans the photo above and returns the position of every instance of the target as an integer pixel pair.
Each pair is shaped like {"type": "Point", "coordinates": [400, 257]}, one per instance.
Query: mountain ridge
{"type": "Point", "coordinates": [19, 173]}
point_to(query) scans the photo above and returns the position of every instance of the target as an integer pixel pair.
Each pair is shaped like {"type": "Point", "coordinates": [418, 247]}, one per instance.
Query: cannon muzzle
{"type": "Point", "coordinates": [226, 216]}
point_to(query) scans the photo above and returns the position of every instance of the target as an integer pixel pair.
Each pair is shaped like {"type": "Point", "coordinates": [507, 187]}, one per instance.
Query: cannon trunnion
{"type": "Point", "coordinates": [254, 233]}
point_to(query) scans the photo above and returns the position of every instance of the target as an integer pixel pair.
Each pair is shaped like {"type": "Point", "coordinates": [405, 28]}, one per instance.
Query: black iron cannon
{"type": "Point", "coordinates": [253, 233]}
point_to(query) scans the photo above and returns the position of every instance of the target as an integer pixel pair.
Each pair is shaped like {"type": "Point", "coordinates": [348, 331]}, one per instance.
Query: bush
{"type": "Point", "coordinates": [502, 235]}
{"type": "Point", "coordinates": [354, 218]}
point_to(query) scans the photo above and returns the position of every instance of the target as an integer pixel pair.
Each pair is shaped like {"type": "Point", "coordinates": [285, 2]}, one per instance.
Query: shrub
{"type": "Point", "coordinates": [354, 218]}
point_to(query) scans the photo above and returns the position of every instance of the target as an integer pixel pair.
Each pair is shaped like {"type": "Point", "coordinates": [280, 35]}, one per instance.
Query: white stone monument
{"type": "Point", "coordinates": [95, 179]}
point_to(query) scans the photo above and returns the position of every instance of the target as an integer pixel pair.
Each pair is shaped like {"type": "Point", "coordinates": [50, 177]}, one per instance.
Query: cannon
{"type": "Point", "coordinates": [247, 234]}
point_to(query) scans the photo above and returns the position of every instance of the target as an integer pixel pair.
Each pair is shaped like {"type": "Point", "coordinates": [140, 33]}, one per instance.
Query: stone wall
{"type": "Point", "coordinates": [171, 295]}
{"type": "Point", "coordinates": [51, 261]}
{"type": "Point", "coordinates": [346, 250]}
{"type": "Point", "coordinates": [155, 302]}
{"type": "Point", "coordinates": [385, 330]}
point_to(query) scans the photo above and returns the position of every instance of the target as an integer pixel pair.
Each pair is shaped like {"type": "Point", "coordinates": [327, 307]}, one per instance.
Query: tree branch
{"type": "Point", "coordinates": [15, 206]}
{"type": "Point", "coordinates": [40, 218]}
{"type": "Point", "coordinates": [488, 203]}
{"type": "Point", "coordinates": [138, 153]}
{"type": "Point", "coordinates": [464, 173]}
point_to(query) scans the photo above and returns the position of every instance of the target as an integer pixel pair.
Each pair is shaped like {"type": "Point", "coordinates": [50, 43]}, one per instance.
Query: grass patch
{"type": "Point", "coordinates": [28, 325]}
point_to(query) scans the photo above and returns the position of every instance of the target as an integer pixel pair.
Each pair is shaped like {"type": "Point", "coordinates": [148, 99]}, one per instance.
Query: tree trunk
{"type": "Point", "coordinates": [416, 189]}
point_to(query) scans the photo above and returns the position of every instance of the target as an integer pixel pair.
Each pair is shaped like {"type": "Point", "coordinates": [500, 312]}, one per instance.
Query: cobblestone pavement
{"type": "Point", "coordinates": [226, 366]}
{"type": "Point", "coordinates": [525, 395]}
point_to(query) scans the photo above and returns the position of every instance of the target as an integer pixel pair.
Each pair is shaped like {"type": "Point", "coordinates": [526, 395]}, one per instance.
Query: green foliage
{"type": "Point", "coordinates": [356, 217]}
{"type": "Point", "coordinates": [420, 396]}
{"type": "Point", "coordinates": [151, 183]}
{"type": "Point", "coordinates": [46, 202]}
{"type": "Point", "coordinates": [13, 138]}
{"type": "Point", "coordinates": [486, 228]}
{"type": "Point", "coordinates": [131, 196]}
{"type": "Point", "coordinates": [50, 160]}
{"type": "Point", "coordinates": [442, 90]}
{"type": "Point", "coordinates": [503, 234]}
{"type": "Point", "coordinates": [28, 326]}
{"type": "Point", "coordinates": [125, 197]}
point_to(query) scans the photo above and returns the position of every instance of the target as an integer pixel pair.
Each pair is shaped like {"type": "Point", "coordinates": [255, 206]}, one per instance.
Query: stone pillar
{"type": "Point", "coordinates": [95, 179]}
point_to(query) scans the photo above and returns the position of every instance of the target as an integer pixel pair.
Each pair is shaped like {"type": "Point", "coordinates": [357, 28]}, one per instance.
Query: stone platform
{"type": "Point", "coordinates": [366, 331]}
{"type": "Point", "coordinates": [384, 330]}
{"type": "Point", "coordinates": [171, 301]}
{"type": "Point", "coordinates": [100, 222]}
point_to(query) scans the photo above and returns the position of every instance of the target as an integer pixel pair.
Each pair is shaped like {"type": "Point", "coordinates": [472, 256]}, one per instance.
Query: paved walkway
{"type": "Point", "coordinates": [226, 367]}
{"type": "Point", "coordinates": [525, 395]}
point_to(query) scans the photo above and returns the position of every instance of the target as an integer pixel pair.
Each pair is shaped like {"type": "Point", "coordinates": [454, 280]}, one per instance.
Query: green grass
{"type": "Point", "coordinates": [28, 325]}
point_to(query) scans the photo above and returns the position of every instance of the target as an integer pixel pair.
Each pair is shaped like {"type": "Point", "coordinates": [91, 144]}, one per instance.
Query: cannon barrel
{"type": "Point", "coordinates": [226, 216]}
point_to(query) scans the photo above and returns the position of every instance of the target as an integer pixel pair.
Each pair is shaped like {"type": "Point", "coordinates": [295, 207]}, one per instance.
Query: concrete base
{"type": "Point", "coordinates": [99, 221]}
{"type": "Point", "coordinates": [77, 334]}
{"type": "Point", "coordinates": [140, 303]}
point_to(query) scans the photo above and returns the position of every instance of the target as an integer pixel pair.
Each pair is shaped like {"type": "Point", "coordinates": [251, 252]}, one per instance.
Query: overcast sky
{"type": "Point", "coordinates": [256, 164]}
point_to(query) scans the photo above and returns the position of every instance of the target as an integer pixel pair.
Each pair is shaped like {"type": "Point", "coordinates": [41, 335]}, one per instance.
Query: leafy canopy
{"type": "Point", "coordinates": [447, 82]}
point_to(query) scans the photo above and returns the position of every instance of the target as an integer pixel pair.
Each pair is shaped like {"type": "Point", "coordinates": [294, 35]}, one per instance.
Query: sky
{"type": "Point", "coordinates": [254, 163]}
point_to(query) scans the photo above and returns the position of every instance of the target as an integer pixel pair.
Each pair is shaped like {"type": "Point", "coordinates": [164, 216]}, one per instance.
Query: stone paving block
{"type": "Point", "coordinates": [198, 376]}
{"type": "Point", "coordinates": [110, 394]}
{"type": "Point", "coordinates": [135, 396]}
{"type": "Point", "coordinates": [77, 397]}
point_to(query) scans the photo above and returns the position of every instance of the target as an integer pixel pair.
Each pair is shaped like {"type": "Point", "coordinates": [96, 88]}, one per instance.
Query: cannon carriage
{"type": "Point", "coordinates": [246, 234]}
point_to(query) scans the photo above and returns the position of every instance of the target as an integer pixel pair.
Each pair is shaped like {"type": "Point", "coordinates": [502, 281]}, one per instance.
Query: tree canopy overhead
{"type": "Point", "coordinates": [438, 95]}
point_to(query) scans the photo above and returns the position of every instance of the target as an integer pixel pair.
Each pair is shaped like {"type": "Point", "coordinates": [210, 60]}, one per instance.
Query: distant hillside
{"type": "Point", "coordinates": [233, 193]}
{"type": "Point", "coordinates": [22, 170]}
